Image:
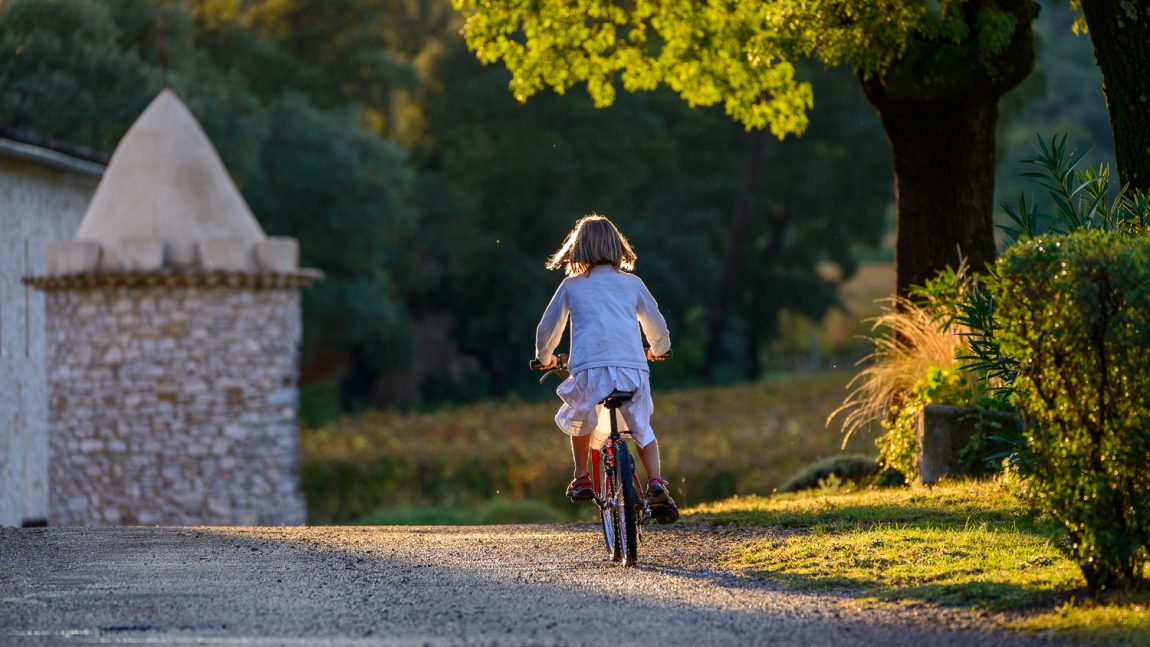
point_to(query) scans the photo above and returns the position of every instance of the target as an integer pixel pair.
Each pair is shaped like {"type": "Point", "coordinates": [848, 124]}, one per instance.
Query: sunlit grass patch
{"type": "Point", "coordinates": [958, 503]}
{"type": "Point", "coordinates": [967, 544]}
{"type": "Point", "coordinates": [983, 565]}
{"type": "Point", "coordinates": [1115, 620]}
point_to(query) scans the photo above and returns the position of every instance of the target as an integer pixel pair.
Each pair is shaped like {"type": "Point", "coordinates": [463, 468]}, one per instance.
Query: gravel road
{"type": "Point", "coordinates": [495, 585]}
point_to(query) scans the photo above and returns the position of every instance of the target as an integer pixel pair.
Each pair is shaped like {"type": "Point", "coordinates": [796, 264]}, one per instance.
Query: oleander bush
{"type": "Point", "coordinates": [1074, 313]}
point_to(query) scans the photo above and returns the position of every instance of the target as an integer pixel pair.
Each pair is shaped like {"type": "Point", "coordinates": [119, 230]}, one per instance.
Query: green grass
{"type": "Point", "coordinates": [967, 544]}
{"type": "Point", "coordinates": [1113, 620]}
{"type": "Point", "coordinates": [951, 504]}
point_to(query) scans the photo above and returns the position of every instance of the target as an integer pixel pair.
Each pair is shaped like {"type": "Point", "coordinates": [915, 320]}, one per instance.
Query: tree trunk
{"type": "Point", "coordinates": [736, 250]}
{"type": "Point", "coordinates": [1120, 31]}
{"type": "Point", "coordinates": [944, 181]}
{"type": "Point", "coordinates": [779, 216]}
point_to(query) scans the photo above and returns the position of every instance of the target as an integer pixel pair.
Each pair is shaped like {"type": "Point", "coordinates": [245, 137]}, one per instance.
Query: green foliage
{"type": "Point", "coordinates": [343, 193]}
{"type": "Point", "coordinates": [1072, 311]}
{"type": "Point", "coordinates": [82, 71]}
{"type": "Point", "coordinates": [742, 54]}
{"type": "Point", "coordinates": [502, 183]}
{"type": "Point", "coordinates": [1083, 199]}
{"type": "Point", "coordinates": [63, 72]}
{"type": "Point", "coordinates": [995, 369]}
{"type": "Point", "coordinates": [1079, 200]}
{"type": "Point", "coordinates": [1062, 95]}
{"type": "Point", "coordinates": [844, 468]}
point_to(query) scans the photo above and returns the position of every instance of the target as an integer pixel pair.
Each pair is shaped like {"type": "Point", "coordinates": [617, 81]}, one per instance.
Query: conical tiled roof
{"type": "Point", "coordinates": [166, 183]}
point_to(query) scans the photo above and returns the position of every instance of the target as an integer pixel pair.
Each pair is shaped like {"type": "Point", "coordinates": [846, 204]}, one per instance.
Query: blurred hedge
{"type": "Point", "coordinates": [715, 442]}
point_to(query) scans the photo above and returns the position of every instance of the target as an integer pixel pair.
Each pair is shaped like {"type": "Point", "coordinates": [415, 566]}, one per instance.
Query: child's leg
{"type": "Point", "coordinates": [580, 446]}
{"type": "Point", "coordinates": [649, 456]}
{"type": "Point", "coordinates": [663, 508]}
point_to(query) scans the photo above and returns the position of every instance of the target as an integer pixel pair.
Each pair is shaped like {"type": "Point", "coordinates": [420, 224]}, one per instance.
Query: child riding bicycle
{"type": "Point", "coordinates": [606, 305]}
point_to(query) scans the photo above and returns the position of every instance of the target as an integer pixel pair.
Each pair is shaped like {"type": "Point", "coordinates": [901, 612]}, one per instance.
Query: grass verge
{"type": "Point", "coordinates": [967, 544]}
{"type": "Point", "coordinates": [715, 442]}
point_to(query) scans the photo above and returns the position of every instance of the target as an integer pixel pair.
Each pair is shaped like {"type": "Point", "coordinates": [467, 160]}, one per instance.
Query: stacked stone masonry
{"type": "Point", "coordinates": [173, 406]}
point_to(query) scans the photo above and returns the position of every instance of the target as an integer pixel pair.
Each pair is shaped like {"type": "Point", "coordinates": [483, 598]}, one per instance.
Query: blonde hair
{"type": "Point", "coordinates": [594, 241]}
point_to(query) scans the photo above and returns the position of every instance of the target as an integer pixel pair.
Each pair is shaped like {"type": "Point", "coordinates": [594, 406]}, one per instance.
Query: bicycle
{"type": "Point", "coordinates": [622, 501]}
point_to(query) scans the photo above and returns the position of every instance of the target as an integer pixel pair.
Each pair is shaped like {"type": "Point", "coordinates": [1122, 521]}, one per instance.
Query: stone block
{"type": "Point", "coordinates": [71, 256]}
{"type": "Point", "coordinates": [278, 254]}
{"type": "Point", "coordinates": [134, 255]}
{"type": "Point", "coordinates": [181, 254]}
{"type": "Point", "coordinates": [944, 431]}
{"type": "Point", "coordinates": [227, 254]}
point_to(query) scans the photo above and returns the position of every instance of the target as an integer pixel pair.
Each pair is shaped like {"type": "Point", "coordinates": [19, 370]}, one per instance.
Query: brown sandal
{"type": "Point", "coordinates": [663, 507]}
{"type": "Point", "coordinates": [580, 489]}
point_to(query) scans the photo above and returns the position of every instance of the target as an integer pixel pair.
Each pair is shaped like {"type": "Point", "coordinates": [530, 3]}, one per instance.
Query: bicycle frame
{"type": "Point", "coordinates": [611, 464]}
{"type": "Point", "coordinates": [607, 455]}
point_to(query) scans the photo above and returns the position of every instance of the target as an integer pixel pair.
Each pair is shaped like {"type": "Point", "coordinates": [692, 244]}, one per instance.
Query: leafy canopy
{"type": "Point", "coordinates": [738, 53]}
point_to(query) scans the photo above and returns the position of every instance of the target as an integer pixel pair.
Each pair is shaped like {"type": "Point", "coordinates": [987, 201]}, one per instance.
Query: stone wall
{"type": "Point", "coordinates": [173, 406]}
{"type": "Point", "coordinates": [43, 196]}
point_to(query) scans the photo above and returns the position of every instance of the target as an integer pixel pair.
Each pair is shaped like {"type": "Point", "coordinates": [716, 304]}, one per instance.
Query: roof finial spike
{"type": "Point", "coordinates": [161, 52]}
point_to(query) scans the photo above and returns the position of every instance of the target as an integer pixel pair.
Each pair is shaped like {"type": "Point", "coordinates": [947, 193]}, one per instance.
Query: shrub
{"type": "Point", "coordinates": [1074, 313]}
{"type": "Point", "coordinates": [1082, 199]}
{"type": "Point", "coordinates": [852, 468]}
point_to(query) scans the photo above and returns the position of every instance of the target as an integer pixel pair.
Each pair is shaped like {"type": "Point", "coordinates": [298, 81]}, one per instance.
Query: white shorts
{"type": "Point", "coordinates": [581, 413]}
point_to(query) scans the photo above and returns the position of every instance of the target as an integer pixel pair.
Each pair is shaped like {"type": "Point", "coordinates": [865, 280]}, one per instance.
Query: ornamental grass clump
{"type": "Point", "coordinates": [1074, 313]}
{"type": "Point", "coordinates": [918, 344]}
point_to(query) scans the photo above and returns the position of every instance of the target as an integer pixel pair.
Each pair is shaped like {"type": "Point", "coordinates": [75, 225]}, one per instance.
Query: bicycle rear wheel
{"type": "Point", "coordinates": [629, 505]}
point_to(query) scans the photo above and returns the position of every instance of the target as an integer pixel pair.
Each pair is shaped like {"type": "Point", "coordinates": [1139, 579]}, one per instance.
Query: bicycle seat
{"type": "Point", "coordinates": [616, 398]}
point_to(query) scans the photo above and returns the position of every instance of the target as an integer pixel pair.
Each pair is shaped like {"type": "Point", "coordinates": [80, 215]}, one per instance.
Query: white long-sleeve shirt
{"type": "Point", "coordinates": [606, 307]}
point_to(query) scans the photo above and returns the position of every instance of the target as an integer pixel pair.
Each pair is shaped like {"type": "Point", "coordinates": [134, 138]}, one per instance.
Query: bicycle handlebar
{"type": "Point", "coordinates": [561, 361]}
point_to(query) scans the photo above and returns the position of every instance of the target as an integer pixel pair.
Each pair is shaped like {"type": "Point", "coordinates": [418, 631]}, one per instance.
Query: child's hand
{"type": "Point", "coordinates": [651, 357]}
{"type": "Point", "coordinates": [550, 364]}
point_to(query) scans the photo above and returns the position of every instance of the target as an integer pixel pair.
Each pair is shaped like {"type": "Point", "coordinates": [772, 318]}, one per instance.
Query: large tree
{"type": "Point", "coordinates": [934, 71]}
{"type": "Point", "coordinates": [1120, 31]}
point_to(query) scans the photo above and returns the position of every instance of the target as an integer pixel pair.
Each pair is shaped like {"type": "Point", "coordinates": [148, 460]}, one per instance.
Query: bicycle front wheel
{"type": "Point", "coordinates": [609, 512]}
{"type": "Point", "coordinates": [629, 505]}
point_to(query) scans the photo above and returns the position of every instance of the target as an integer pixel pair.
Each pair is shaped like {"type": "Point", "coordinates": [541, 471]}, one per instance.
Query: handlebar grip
{"type": "Point", "coordinates": [536, 365]}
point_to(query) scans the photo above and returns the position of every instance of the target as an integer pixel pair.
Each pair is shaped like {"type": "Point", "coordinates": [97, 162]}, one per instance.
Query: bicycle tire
{"type": "Point", "coordinates": [629, 532]}
{"type": "Point", "coordinates": [611, 533]}
{"type": "Point", "coordinates": [609, 515]}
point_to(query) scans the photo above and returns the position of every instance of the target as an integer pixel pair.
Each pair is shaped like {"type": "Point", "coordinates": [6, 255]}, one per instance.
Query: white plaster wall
{"type": "Point", "coordinates": [38, 204]}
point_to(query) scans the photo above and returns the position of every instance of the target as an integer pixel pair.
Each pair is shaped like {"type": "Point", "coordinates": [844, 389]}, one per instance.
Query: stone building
{"type": "Point", "coordinates": [173, 328]}
{"type": "Point", "coordinates": [43, 194]}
